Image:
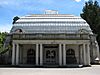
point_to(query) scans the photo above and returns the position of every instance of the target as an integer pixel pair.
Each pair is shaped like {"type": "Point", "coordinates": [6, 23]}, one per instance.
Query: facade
{"type": "Point", "coordinates": [53, 40]}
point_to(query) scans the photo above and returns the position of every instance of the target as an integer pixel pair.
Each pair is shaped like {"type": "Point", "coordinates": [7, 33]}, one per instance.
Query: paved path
{"type": "Point", "coordinates": [94, 70]}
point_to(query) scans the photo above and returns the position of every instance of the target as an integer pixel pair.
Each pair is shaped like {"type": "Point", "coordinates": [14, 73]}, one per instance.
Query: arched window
{"type": "Point", "coordinates": [31, 52]}
{"type": "Point", "coordinates": [18, 30]}
{"type": "Point", "coordinates": [83, 31]}
{"type": "Point", "coordinates": [70, 57]}
{"type": "Point", "coordinates": [31, 56]}
{"type": "Point", "coordinates": [70, 52]}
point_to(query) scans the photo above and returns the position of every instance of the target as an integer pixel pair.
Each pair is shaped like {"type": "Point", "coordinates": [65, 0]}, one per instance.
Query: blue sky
{"type": "Point", "coordinates": [11, 8]}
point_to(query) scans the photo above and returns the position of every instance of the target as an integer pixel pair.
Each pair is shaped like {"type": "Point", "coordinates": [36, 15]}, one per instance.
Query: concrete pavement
{"type": "Point", "coordinates": [94, 70]}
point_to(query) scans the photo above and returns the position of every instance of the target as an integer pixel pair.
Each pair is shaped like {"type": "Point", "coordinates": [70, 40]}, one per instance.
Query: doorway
{"type": "Point", "coordinates": [31, 56]}
{"type": "Point", "coordinates": [70, 57]}
{"type": "Point", "coordinates": [51, 54]}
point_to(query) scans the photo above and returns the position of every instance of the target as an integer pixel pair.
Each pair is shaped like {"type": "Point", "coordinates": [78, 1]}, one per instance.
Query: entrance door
{"type": "Point", "coordinates": [50, 56]}
{"type": "Point", "coordinates": [31, 56]}
{"type": "Point", "coordinates": [70, 57]}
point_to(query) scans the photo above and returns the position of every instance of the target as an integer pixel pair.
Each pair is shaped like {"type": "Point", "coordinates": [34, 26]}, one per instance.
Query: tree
{"type": "Point", "coordinates": [15, 19]}
{"type": "Point", "coordinates": [91, 13]}
{"type": "Point", "coordinates": [4, 49]}
{"type": "Point", "coordinates": [2, 39]}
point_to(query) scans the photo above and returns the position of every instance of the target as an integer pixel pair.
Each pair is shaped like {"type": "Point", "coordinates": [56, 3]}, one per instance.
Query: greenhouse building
{"type": "Point", "coordinates": [53, 39]}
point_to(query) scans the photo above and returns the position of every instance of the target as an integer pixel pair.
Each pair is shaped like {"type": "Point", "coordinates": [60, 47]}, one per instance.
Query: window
{"type": "Point", "coordinates": [18, 30]}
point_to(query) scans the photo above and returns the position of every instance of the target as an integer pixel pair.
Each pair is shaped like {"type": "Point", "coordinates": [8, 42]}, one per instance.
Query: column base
{"type": "Point", "coordinates": [87, 65]}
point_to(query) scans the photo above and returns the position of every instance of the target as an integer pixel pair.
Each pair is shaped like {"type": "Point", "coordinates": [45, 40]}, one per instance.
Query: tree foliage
{"type": "Point", "coordinates": [91, 13]}
{"type": "Point", "coordinates": [15, 19]}
{"type": "Point", "coordinates": [2, 39]}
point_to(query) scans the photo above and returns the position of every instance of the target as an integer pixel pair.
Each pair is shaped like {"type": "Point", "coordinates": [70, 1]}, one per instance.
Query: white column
{"type": "Point", "coordinates": [98, 51]}
{"type": "Point", "coordinates": [37, 54]}
{"type": "Point", "coordinates": [88, 54]}
{"type": "Point", "coordinates": [60, 55]}
{"type": "Point", "coordinates": [64, 54]}
{"type": "Point", "coordinates": [13, 54]}
{"type": "Point", "coordinates": [81, 55]}
{"type": "Point", "coordinates": [41, 55]}
{"type": "Point", "coordinates": [84, 54]}
{"type": "Point", "coordinates": [17, 54]}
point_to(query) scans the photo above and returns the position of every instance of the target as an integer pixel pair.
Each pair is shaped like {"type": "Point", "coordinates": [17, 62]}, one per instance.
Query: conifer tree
{"type": "Point", "coordinates": [91, 13]}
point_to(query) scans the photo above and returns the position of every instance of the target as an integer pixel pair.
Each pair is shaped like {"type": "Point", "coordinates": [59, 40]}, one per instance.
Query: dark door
{"type": "Point", "coordinates": [31, 56]}
{"type": "Point", "coordinates": [70, 57]}
{"type": "Point", "coordinates": [51, 57]}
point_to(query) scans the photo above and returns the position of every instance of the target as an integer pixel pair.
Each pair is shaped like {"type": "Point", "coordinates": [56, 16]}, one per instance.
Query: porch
{"type": "Point", "coordinates": [50, 53]}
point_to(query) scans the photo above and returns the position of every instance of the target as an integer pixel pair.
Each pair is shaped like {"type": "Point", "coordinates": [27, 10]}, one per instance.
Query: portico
{"type": "Point", "coordinates": [61, 46]}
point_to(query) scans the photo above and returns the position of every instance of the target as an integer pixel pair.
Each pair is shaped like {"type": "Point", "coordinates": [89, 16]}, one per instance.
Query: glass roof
{"type": "Point", "coordinates": [50, 24]}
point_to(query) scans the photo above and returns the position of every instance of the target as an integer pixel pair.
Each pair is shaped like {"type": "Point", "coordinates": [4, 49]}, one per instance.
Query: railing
{"type": "Point", "coordinates": [50, 36]}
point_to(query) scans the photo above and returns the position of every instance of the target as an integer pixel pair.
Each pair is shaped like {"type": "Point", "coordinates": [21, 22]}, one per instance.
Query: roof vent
{"type": "Point", "coordinates": [51, 12]}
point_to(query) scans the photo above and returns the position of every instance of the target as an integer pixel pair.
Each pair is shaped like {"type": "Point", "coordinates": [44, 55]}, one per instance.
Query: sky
{"type": "Point", "coordinates": [11, 8]}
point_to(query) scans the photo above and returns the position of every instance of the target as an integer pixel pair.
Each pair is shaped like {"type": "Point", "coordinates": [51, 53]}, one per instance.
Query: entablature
{"type": "Point", "coordinates": [21, 36]}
